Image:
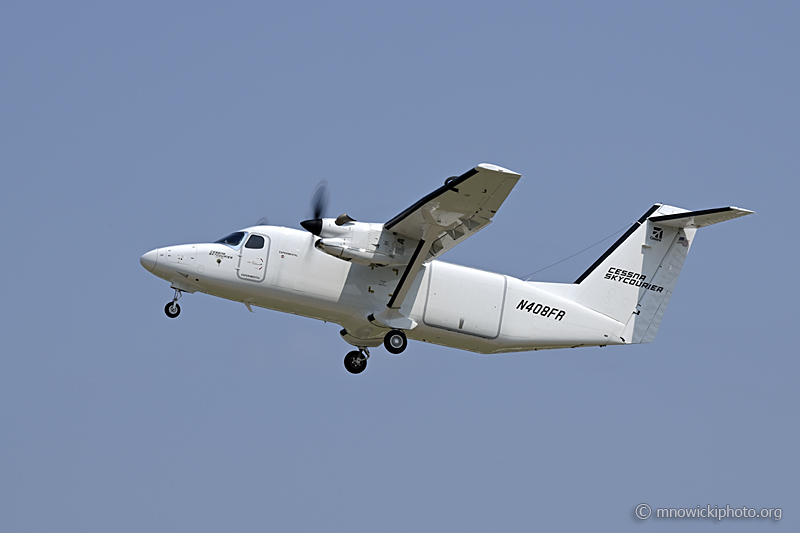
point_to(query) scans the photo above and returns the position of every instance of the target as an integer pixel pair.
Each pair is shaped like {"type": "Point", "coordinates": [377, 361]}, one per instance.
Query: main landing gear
{"type": "Point", "coordinates": [356, 361]}
{"type": "Point", "coordinates": [395, 341]}
{"type": "Point", "coordinates": [172, 309]}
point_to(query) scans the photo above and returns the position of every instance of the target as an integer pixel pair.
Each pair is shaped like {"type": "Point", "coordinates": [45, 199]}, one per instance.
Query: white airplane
{"type": "Point", "coordinates": [383, 283]}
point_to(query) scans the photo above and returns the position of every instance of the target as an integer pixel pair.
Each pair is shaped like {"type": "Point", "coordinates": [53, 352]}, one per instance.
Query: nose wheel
{"type": "Point", "coordinates": [172, 309]}
{"type": "Point", "coordinates": [356, 361]}
{"type": "Point", "coordinates": [395, 341]}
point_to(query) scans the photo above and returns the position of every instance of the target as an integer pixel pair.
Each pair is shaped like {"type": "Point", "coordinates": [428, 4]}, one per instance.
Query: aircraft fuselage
{"type": "Point", "coordinates": [452, 305]}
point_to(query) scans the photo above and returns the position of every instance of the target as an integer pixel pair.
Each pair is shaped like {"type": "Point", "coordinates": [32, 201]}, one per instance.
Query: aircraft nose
{"type": "Point", "coordinates": [149, 259]}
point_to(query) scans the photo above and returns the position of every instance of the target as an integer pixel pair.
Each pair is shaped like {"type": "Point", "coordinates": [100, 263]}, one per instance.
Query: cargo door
{"type": "Point", "coordinates": [465, 300]}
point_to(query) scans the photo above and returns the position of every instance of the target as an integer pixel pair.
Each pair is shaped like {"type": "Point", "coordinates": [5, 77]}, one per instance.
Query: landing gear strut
{"type": "Point", "coordinates": [172, 309]}
{"type": "Point", "coordinates": [356, 361]}
{"type": "Point", "coordinates": [395, 341]}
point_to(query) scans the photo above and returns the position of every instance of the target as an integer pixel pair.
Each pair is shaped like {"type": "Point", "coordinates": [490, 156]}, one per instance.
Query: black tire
{"type": "Point", "coordinates": [354, 362]}
{"type": "Point", "coordinates": [169, 312]}
{"type": "Point", "coordinates": [395, 341]}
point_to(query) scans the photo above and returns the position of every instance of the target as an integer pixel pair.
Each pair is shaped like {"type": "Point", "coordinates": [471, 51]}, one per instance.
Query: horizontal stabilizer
{"type": "Point", "coordinates": [700, 219]}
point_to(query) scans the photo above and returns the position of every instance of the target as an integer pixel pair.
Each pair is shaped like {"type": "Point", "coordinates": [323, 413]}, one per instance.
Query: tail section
{"type": "Point", "coordinates": [633, 281]}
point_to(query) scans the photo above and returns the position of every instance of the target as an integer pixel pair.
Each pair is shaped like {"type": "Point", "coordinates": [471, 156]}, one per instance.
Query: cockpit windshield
{"type": "Point", "coordinates": [233, 240]}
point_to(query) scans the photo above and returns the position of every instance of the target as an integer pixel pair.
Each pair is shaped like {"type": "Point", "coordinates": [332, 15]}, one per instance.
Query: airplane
{"type": "Point", "coordinates": [384, 283]}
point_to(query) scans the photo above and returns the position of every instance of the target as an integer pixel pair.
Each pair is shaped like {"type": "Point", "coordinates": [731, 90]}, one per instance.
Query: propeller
{"type": "Point", "coordinates": [319, 202]}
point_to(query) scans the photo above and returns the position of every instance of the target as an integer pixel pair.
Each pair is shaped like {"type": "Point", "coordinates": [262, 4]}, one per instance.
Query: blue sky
{"type": "Point", "coordinates": [132, 126]}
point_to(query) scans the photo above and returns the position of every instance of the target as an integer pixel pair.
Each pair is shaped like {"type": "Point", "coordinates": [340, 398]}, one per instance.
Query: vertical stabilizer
{"type": "Point", "coordinates": [633, 281]}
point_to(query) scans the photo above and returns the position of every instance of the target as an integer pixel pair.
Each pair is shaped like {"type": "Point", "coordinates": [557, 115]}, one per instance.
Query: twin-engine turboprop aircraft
{"type": "Point", "coordinates": [383, 284]}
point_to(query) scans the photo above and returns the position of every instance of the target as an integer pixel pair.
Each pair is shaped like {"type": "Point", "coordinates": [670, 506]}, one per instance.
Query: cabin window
{"type": "Point", "coordinates": [255, 241]}
{"type": "Point", "coordinates": [234, 239]}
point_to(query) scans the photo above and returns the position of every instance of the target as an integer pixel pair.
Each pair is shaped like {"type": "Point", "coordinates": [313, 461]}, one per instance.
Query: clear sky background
{"type": "Point", "coordinates": [130, 126]}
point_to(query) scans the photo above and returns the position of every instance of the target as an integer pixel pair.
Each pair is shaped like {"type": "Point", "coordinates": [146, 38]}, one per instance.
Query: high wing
{"type": "Point", "coordinates": [461, 207]}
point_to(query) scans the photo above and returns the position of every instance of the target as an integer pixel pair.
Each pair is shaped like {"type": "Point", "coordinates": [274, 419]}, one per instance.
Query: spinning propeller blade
{"type": "Point", "coordinates": [319, 202]}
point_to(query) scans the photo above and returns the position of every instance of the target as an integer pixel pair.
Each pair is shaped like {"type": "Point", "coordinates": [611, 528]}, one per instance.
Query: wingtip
{"type": "Point", "coordinates": [496, 168]}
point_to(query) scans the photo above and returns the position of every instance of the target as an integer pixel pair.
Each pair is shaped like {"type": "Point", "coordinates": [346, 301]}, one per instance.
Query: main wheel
{"type": "Point", "coordinates": [395, 341]}
{"type": "Point", "coordinates": [354, 362]}
{"type": "Point", "coordinates": [172, 309]}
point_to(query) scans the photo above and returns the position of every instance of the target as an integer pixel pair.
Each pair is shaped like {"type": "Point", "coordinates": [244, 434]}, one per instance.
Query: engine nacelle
{"type": "Point", "coordinates": [365, 243]}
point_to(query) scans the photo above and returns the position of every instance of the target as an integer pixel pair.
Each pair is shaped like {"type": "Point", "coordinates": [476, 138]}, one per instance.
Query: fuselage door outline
{"type": "Point", "coordinates": [253, 258]}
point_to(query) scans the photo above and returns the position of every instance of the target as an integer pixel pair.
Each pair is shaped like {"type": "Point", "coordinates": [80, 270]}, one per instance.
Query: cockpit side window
{"type": "Point", "coordinates": [233, 240]}
{"type": "Point", "coordinates": [255, 241]}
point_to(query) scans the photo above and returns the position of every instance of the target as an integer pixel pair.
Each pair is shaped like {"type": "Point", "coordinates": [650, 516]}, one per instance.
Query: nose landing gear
{"type": "Point", "coordinates": [172, 309]}
{"type": "Point", "coordinates": [356, 361]}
